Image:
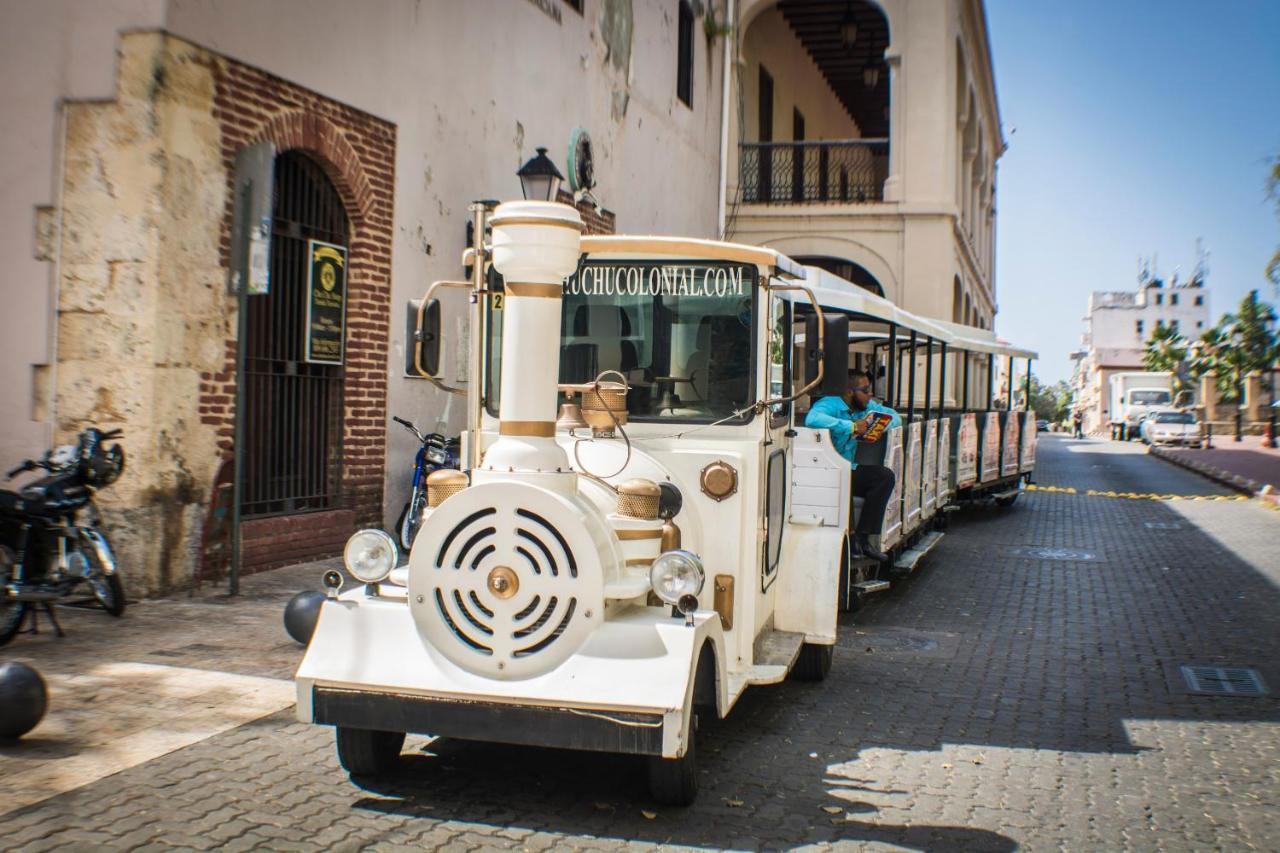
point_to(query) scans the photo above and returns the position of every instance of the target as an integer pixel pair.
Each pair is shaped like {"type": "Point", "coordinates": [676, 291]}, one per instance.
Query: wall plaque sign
{"type": "Point", "coordinates": [326, 302]}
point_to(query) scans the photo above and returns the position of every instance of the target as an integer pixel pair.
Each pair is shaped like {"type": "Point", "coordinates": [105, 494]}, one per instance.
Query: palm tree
{"type": "Point", "coordinates": [1166, 352]}
{"type": "Point", "coordinates": [1240, 344]}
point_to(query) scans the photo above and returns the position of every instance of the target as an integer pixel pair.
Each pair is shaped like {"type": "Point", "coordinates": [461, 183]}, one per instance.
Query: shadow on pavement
{"type": "Point", "coordinates": [993, 643]}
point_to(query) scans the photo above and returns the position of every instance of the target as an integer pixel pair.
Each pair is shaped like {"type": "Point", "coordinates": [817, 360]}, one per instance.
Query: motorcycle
{"type": "Point", "coordinates": [434, 452]}
{"type": "Point", "coordinates": [51, 540]}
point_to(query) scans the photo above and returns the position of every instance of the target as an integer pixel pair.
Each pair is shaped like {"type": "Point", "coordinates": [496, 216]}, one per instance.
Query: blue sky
{"type": "Point", "coordinates": [1134, 127]}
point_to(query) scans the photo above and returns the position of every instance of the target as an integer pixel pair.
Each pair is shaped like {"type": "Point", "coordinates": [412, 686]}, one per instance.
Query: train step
{"type": "Point", "coordinates": [912, 556]}
{"type": "Point", "coordinates": [868, 587]}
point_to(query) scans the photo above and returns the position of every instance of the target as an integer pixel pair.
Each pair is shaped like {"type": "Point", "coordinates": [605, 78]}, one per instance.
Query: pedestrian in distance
{"type": "Point", "coordinates": [1077, 425]}
{"type": "Point", "coordinates": [849, 418]}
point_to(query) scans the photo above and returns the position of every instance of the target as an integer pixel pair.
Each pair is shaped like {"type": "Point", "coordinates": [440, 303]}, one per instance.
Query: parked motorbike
{"type": "Point", "coordinates": [51, 540]}
{"type": "Point", "coordinates": [434, 452]}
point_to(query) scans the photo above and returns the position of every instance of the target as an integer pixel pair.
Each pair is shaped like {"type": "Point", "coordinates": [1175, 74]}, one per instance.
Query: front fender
{"type": "Point", "coordinates": [97, 540]}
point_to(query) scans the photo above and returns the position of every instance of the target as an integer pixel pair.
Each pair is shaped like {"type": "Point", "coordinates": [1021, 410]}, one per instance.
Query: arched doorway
{"type": "Point", "coordinates": [292, 392]}
{"type": "Point", "coordinates": [846, 269]}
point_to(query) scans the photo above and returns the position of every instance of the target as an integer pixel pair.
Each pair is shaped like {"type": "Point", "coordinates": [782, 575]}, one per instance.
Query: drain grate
{"type": "Point", "coordinates": [1162, 525]}
{"type": "Point", "coordinates": [1066, 554]}
{"type": "Point", "coordinates": [1223, 680]}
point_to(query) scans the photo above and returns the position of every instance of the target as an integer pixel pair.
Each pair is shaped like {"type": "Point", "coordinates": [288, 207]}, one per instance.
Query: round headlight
{"type": "Point", "coordinates": [370, 555]}
{"type": "Point", "coordinates": [675, 574]}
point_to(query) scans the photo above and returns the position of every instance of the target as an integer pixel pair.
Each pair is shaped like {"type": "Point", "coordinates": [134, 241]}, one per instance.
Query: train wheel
{"type": "Point", "coordinates": [814, 662]}
{"type": "Point", "coordinates": [362, 752]}
{"type": "Point", "coordinates": [674, 781]}
{"type": "Point", "coordinates": [1006, 501]}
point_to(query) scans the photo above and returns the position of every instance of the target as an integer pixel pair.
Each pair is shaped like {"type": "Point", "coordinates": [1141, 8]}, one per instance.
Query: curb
{"type": "Point", "coordinates": [1261, 491]}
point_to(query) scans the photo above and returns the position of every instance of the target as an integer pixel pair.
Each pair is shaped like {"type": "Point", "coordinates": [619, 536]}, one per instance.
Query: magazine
{"type": "Point", "coordinates": [877, 423]}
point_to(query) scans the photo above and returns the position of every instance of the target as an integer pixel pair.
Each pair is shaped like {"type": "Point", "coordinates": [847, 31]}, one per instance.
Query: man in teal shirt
{"type": "Point", "coordinates": [844, 417]}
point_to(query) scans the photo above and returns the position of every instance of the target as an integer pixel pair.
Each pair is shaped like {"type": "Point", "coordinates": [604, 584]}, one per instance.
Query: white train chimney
{"type": "Point", "coordinates": [536, 245]}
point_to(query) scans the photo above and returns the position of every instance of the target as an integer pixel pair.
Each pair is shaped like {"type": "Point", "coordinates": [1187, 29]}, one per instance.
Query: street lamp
{"type": "Point", "coordinates": [539, 178]}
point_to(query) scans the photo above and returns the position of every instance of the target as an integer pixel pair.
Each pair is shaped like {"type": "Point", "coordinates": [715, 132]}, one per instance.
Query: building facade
{"type": "Point", "coordinates": [866, 137]}
{"type": "Point", "coordinates": [385, 121]}
{"type": "Point", "coordinates": [1117, 327]}
{"type": "Point", "coordinates": [860, 136]}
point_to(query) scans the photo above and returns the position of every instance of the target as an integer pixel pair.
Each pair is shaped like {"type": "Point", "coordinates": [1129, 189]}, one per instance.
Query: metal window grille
{"type": "Point", "coordinates": [293, 409]}
{"type": "Point", "coordinates": [814, 172]}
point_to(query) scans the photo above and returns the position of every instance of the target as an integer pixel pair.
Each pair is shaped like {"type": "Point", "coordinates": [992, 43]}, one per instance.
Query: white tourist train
{"type": "Point", "coordinates": [645, 527]}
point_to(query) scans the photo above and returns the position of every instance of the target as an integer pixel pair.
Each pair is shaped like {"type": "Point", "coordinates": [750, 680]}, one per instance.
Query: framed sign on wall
{"type": "Point", "coordinates": [326, 302]}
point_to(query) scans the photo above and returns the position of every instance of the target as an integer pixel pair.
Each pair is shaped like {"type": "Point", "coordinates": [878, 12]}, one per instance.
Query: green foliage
{"type": "Point", "coordinates": [1166, 352]}
{"type": "Point", "coordinates": [1050, 402]}
{"type": "Point", "coordinates": [1241, 343]}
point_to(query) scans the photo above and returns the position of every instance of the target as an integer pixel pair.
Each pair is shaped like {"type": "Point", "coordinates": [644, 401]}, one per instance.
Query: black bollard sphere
{"type": "Point", "coordinates": [301, 614]}
{"type": "Point", "coordinates": [23, 699]}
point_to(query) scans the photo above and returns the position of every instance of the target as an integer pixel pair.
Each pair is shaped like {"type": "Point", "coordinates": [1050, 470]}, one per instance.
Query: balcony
{"type": "Point", "coordinates": [826, 172]}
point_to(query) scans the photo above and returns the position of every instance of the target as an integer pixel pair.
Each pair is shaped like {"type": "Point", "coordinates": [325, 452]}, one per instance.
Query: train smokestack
{"type": "Point", "coordinates": [536, 245]}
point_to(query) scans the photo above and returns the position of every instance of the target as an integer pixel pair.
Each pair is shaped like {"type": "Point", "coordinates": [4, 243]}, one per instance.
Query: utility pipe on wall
{"type": "Point", "coordinates": [730, 40]}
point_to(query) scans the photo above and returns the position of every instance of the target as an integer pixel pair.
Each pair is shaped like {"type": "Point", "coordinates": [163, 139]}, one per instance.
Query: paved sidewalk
{"type": "Point", "coordinates": [1021, 690]}
{"type": "Point", "coordinates": [169, 674]}
{"type": "Point", "coordinates": [1244, 465]}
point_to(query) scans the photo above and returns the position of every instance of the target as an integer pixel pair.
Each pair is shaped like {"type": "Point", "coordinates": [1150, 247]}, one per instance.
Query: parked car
{"type": "Point", "coordinates": [1042, 425]}
{"type": "Point", "coordinates": [1169, 426]}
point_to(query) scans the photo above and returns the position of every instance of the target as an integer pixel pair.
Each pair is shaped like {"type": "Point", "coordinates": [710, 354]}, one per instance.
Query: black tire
{"type": "Point", "coordinates": [362, 752]}
{"type": "Point", "coordinates": [674, 781]}
{"type": "Point", "coordinates": [107, 589]}
{"type": "Point", "coordinates": [11, 612]}
{"type": "Point", "coordinates": [814, 662]}
{"type": "Point", "coordinates": [1007, 501]}
{"type": "Point", "coordinates": [410, 519]}
{"type": "Point", "coordinates": [848, 596]}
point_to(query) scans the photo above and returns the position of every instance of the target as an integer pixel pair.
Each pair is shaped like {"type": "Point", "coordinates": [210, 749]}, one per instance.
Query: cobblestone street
{"type": "Point", "coordinates": [1022, 690]}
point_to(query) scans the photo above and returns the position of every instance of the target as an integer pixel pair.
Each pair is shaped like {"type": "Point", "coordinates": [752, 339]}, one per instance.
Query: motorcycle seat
{"type": "Point", "coordinates": [12, 502]}
{"type": "Point", "coordinates": [49, 495]}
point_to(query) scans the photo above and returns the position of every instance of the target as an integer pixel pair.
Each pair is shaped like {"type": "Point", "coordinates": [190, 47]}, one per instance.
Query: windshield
{"type": "Point", "coordinates": [681, 332]}
{"type": "Point", "coordinates": [1149, 398]}
{"type": "Point", "coordinates": [1175, 418]}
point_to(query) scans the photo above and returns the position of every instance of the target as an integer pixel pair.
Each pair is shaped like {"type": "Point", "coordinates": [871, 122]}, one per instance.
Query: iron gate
{"type": "Point", "coordinates": [293, 408]}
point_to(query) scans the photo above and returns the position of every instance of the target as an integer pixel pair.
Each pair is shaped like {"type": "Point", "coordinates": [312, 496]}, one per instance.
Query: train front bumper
{"type": "Point", "coordinates": [628, 689]}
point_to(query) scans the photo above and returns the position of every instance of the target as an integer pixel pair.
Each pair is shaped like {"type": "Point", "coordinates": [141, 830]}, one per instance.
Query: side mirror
{"type": "Point", "coordinates": [834, 356]}
{"type": "Point", "coordinates": [422, 338]}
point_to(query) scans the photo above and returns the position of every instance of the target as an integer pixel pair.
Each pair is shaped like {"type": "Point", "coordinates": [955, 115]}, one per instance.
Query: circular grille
{"type": "Point", "coordinates": [505, 580]}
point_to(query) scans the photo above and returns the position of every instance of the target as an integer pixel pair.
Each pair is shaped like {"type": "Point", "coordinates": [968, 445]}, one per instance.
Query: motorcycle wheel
{"type": "Point", "coordinates": [11, 612]}
{"type": "Point", "coordinates": [410, 519]}
{"type": "Point", "coordinates": [107, 589]}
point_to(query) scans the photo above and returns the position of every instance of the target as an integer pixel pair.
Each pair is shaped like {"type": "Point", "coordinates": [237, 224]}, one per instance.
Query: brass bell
{"type": "Point", "coordinates": [570, 417]}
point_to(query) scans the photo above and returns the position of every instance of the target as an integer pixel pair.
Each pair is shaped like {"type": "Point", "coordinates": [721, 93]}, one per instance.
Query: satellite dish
{"type": "Point", "coordinates": [582, 174]}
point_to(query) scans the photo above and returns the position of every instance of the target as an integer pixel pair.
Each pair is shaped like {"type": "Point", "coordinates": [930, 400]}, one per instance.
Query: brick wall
{"type": "Point", "coordinates": [597, 220]}
{"type": "Point", "coordinates": [357, 151]}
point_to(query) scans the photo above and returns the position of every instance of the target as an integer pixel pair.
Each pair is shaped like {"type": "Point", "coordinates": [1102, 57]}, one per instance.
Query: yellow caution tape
{"type": "Point", "coordinates": [1141, 496]}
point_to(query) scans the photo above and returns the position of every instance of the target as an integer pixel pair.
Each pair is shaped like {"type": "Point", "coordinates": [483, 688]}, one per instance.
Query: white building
{"type": "Point", "coordinates": [858, 135]}
{"type": "Point", "coordinates": [1117, 327]}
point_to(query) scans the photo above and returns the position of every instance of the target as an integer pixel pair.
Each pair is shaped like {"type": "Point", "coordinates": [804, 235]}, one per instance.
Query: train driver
{"type": "Point", "coordinates": [846, 418]}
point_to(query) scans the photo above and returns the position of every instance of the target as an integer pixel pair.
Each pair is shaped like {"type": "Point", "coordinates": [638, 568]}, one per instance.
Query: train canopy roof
{"type": "Point", "coordinates": [984, 340]}
{"type": "Point", "coordinates": [688, 248]}
{"type": "Point", "coordinates": [833, 292]}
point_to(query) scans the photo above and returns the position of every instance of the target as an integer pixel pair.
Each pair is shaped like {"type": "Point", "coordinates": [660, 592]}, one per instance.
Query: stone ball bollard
{"type": "Point", "coordinates": [23, 699]}
{"type": "Point", "coordinates": [301, 614]}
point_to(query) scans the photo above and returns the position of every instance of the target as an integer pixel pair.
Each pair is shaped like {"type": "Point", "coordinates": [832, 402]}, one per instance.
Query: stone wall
{"type": "Point", "coordinates": [146, 330]}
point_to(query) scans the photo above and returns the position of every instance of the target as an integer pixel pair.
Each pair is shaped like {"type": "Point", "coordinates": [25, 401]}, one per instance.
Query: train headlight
{"type": "Point", "coordinates": [676, 574]}
{"type": "Point", "coordinates": [370, 555]}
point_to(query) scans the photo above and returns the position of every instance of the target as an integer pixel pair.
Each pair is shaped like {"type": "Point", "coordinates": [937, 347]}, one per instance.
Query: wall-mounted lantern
{"type": "Point", "coordinates": [539, 178]}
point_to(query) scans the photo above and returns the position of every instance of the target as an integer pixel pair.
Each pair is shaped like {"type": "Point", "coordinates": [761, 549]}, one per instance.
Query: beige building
{"type": "Point", "coordinates": [867, 136]}
{"type": "Point", "coordinates": [859, 135]}
{"type": "Point", "coordinates": [1118, 325]}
